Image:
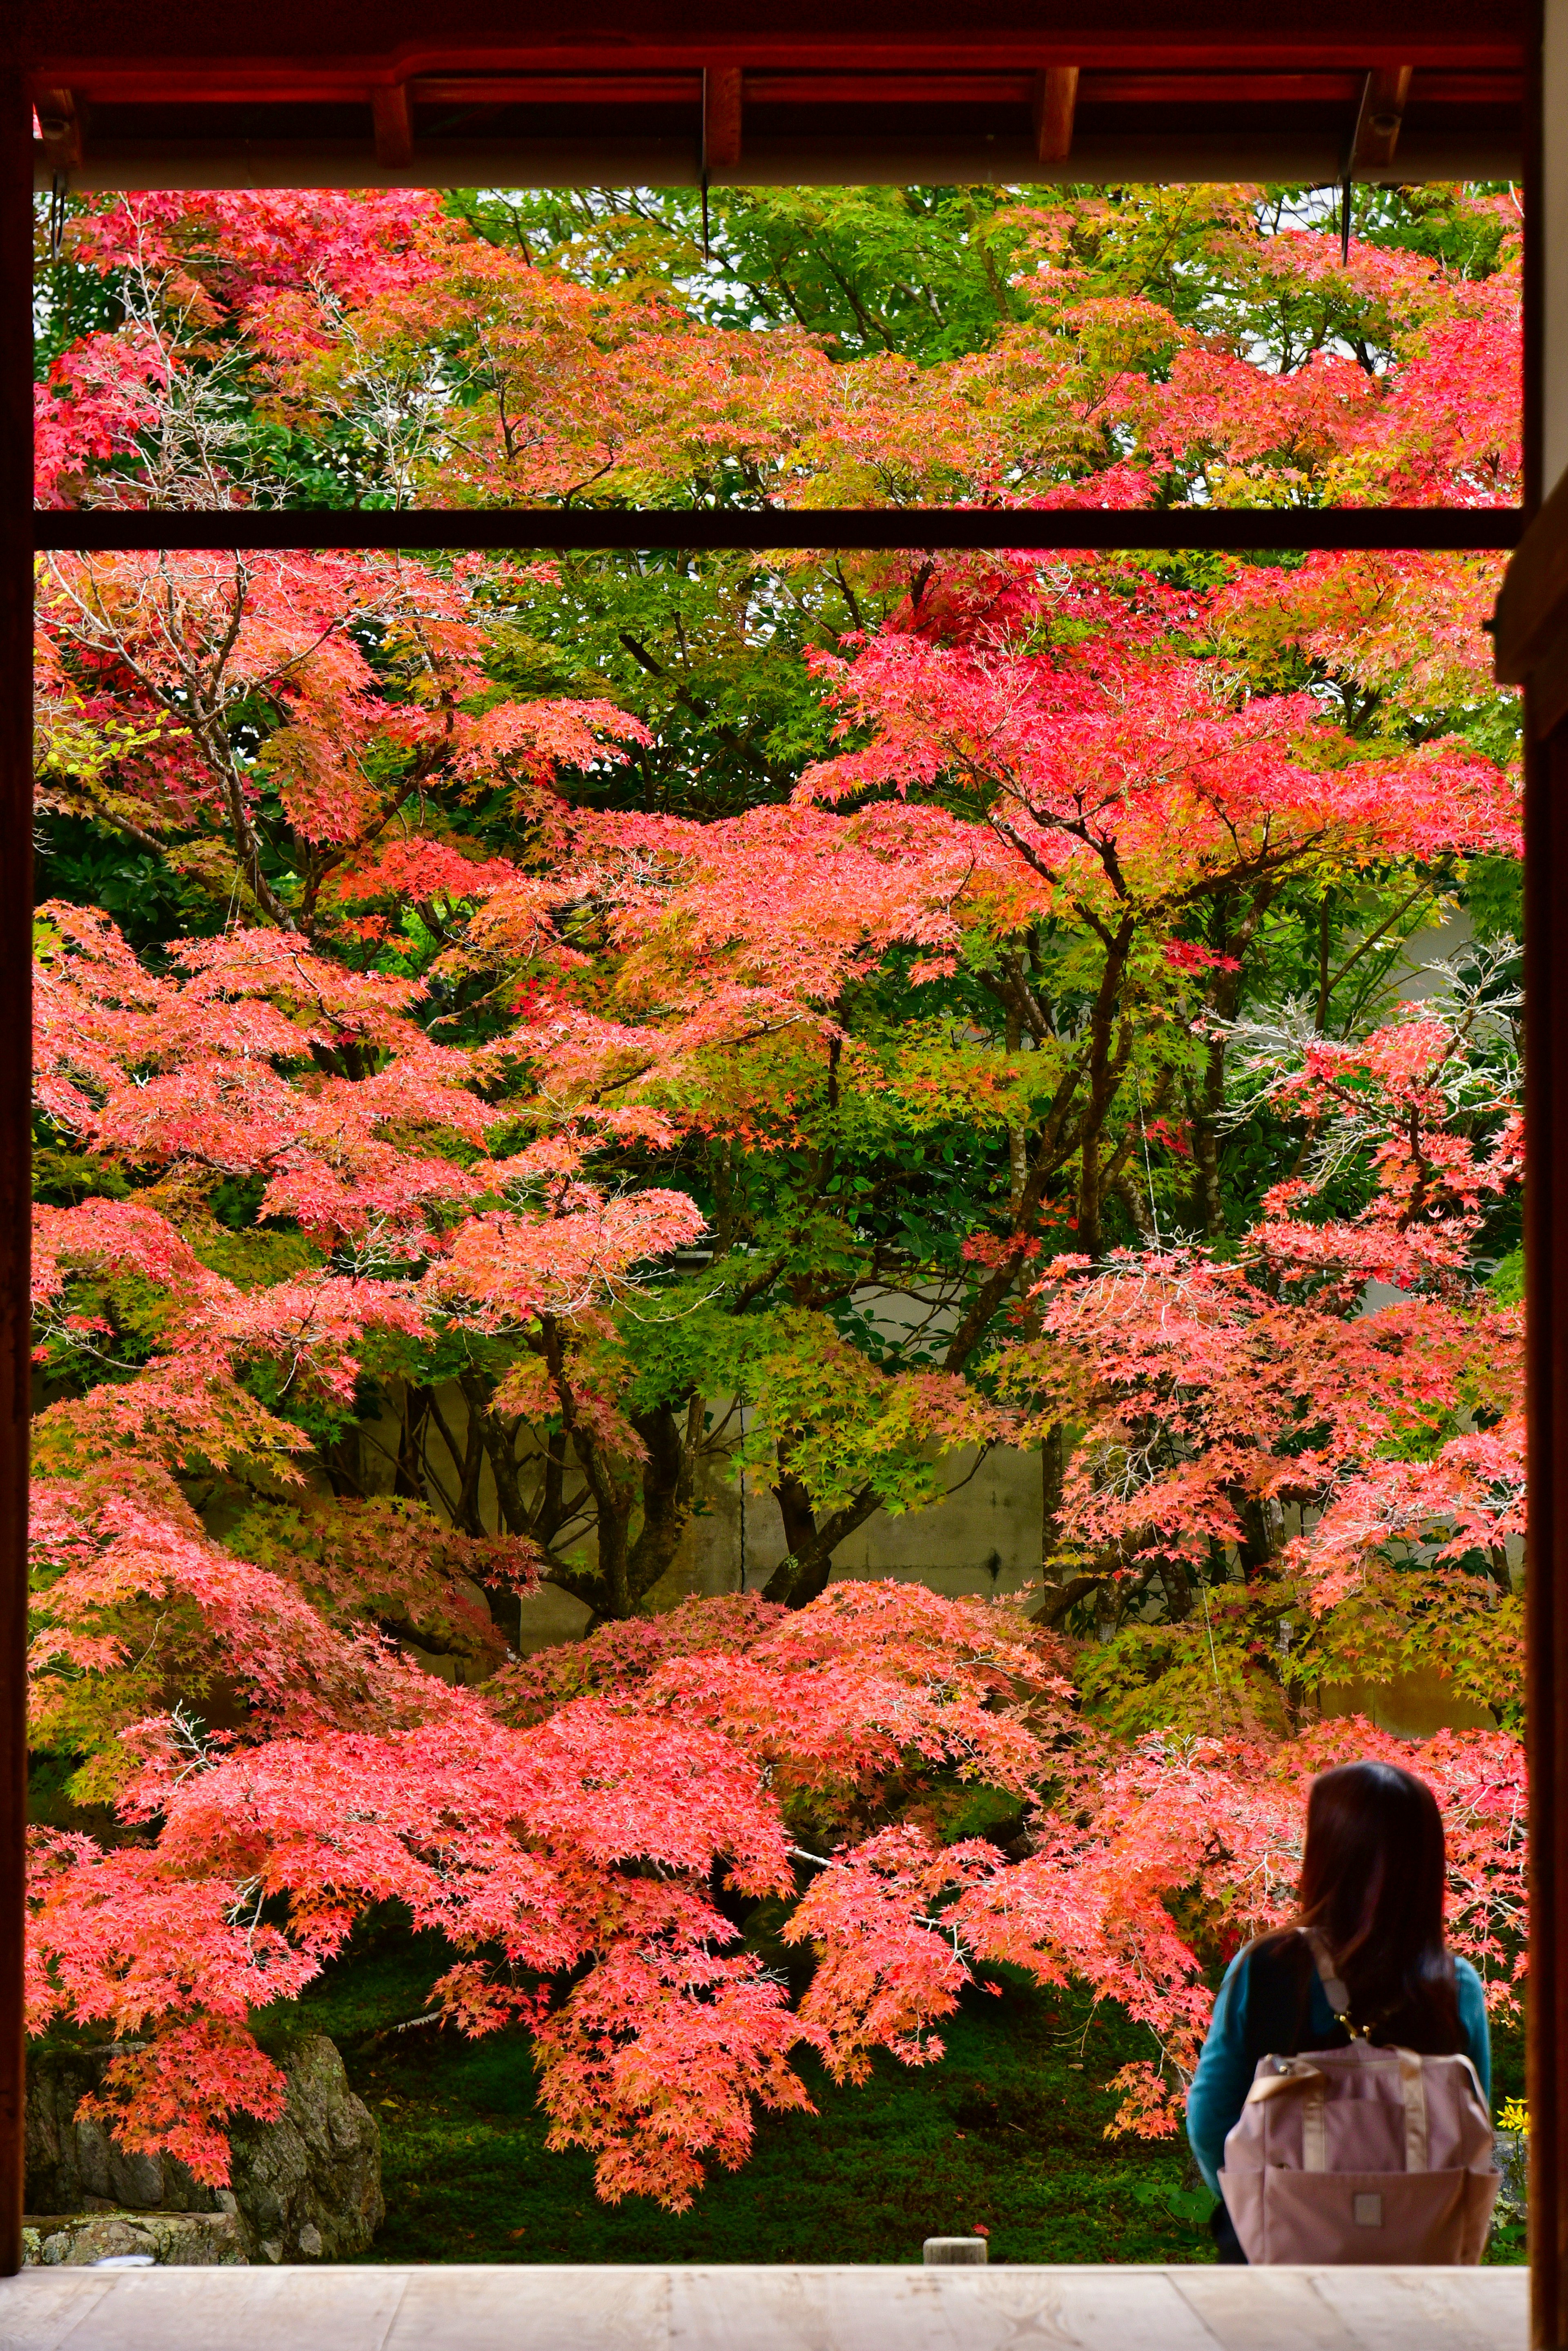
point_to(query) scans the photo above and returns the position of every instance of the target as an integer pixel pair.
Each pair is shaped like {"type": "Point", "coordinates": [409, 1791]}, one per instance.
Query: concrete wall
{"type": "Point", "coordinates": [985, 1539]}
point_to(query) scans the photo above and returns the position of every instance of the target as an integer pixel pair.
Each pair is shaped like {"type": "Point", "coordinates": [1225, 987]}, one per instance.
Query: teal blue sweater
{"type": "Point", "coordinates": [1225, 2070]}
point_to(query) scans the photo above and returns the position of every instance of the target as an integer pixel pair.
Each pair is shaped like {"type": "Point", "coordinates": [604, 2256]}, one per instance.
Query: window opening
{"type": "Point", "coordinates": [980, 981]}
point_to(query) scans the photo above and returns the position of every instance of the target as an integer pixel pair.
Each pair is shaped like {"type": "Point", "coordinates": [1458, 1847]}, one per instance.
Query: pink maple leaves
{"type": "Point", "coordinates": [1403, 386]}
{"type": "Point", "coordinates": [1098, 765]}
{"type": "Point", "coordinates": [240, 246]}
{"type": "Point", "coordinates": [95, 401]}
{"type": "Point", "coordinates": [1022, 749]}
{"type": "Point", "coordinates": [902, 1927]}
{"type": "Point", "coordinates": [570, 1864]}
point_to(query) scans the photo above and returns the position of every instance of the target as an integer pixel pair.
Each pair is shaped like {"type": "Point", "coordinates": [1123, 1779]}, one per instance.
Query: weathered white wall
{"type": "Point", "coordinates": [985, 1539]}
{"type": "Point", "coordinates": [1411, 1706]}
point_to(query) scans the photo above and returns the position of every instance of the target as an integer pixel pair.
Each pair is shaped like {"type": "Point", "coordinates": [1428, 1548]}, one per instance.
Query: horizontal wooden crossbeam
{"type": "Point", "coordinates": [320, 93]}
{"type": "Point", "coordinates": [1239, 530]}
{"type": "Point", "coordinates": [975, 89]}
{"type": "Point", "coordinates": [164, 50]}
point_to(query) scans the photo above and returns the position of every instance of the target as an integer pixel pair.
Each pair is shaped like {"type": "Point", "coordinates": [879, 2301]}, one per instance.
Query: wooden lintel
{"type": "Point", "coordinates": [468, 90]}
{"type": "Point", "coordinates": [394, 119]}
{"type": "Point", "coordinates": [1231, 530]}
{"type": "Point", "coordinates": [1146, 80]}
{"type": "Point", "coordinates": [1378, 124]}
{"type": "Point", "coordinates": [1055, 102]}
{"type": "Point", "coordinates": [60, 127]}
{"type": "Point", "coordinates": [722, 108]}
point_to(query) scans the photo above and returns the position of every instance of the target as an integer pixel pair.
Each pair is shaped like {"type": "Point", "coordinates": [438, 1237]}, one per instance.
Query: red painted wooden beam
{"type": "Point", "coordinates": [120, 86]}
{"type": "Point", "coordinates": [305, 48]}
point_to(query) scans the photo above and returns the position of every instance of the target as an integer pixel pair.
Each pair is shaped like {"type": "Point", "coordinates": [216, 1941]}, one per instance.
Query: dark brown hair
{"type": "Point", "coordinates": [1373, 1879]}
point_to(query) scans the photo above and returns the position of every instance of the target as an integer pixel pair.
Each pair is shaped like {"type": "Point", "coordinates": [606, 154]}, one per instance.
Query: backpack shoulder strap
{"type": "Point", "coordinates": [1334, 1992]}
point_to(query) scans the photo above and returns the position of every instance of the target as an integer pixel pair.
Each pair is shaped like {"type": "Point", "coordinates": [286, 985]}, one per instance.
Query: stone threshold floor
{"type": "Point", "coordinates": [456, 2307]}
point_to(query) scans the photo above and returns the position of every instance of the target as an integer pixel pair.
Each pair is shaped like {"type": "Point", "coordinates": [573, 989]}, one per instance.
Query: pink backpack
{"type": "Point", "coordinates": [1362, 2155]}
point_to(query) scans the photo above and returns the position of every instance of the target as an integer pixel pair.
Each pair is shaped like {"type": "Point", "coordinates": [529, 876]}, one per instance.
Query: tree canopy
{"type": "Point", "coordinates": [954, 1002]}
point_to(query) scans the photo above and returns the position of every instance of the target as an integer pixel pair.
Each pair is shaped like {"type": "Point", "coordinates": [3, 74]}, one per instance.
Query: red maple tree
{"type": "Point", "coordinates": [418, 1106]}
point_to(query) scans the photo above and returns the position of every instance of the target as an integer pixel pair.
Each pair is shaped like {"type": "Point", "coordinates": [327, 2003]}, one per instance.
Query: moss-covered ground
{"type": "Point", "coordinates": [1006, 2134]}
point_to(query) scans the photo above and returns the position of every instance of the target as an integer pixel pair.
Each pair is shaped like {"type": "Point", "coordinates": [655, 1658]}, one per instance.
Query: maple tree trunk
{"type": "Point", "coordinates": [1053, 1480]}
{"type": "Point", "coordinates": [613, 1530]}
{"type": "Point", "coordinates": [499, 1443]}
{"type": "Point", "coordinates": [1256, 1547]}
{"type": "Point", "coordinates": [804, 1575]}
{"type": "Point", "coordinates": [667, 1480]}
{"type": "Point", "coordinates": [623, 1571]}
{"type": "Point", "coordinates": [801, 1536]}
{"type": "Point", "coordinates": [1138, 1207]}
{"type": "Point", "coordinates": [1088, 1209]}
{"type": "Point", "coordinates": [1017, 1135]}
{"type": "Point", "coordinates": [1224, 1002]}
{"type": "Point", "coordinates": [1106, 1065]}
{"type": "Point", "coordinates": [456, 1492]}
{"type": "Point", "coordinates": [408, 1477]}
{"type": "Point", "coordinates": [550, 1510]}
{"type": "Point", "coordinates": [343, 1462]}
{"type": "Point", "coordinates": [468, 1467]}
{"type": "Point", "coordinates": [1060, 1598]}
{"type": "Point", "coordinates": [1224, 997]}
{"type": "Point", "coordinates": [457, 1495]}
{"type": "Point", "coordinates": [1177, 1589]}
{"type": "Point", "coordinates": [1208, 1212]}
{"type": "Point", "coordinates": [606, 1586]}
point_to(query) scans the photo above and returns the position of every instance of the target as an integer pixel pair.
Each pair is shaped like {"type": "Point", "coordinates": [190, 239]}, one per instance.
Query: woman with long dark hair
{"type": "Point", "coordinates": [1372, 1884]}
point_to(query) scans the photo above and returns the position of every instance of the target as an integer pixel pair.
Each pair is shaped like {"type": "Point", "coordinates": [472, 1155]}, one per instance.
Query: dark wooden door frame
{"type": "Point", "coordinates": [1533, 640]}
{"type": "Point", "coordinates": [16, 1100]}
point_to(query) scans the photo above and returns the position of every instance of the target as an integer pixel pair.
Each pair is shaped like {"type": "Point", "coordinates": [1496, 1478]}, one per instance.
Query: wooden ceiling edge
{"type": "Point", "coordinates": [906, 159]}
{"type": "Point", "coordinates": [115, 78]}
{"type": "Point", "coordinates": [1491, 85]}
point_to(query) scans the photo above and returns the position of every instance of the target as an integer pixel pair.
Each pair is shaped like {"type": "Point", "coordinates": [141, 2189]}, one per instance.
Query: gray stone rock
{"type": "Point", "coordinates": [74, 2166]}
{"type": "Point", "coordinates": [1512, 2150]}
{"type": "Point", "coordinates": [311, 2184]}
{"type": "Point", "coordinates": [179, 2240]}
{"type": "Point", "coordinates": [305, 2187]}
